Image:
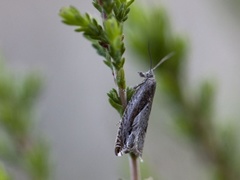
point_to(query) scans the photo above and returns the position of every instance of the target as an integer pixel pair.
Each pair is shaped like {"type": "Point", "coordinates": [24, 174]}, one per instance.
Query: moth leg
{"type": "Point", "coordinates": [137, 86]}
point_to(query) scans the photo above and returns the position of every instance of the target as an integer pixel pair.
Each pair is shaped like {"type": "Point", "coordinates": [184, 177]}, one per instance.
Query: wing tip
{"type": "Point", "coordinates": [118, 151]}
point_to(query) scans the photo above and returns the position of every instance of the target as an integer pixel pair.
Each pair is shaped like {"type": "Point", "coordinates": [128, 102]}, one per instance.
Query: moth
{"type": "Point", "coordinates": [133, 125]}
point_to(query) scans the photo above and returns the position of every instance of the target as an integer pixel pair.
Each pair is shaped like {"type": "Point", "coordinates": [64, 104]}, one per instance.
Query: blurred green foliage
{"type": "Point", "coordinates": [152, 27]}
{"type": "Point", "coordinates": [191, 111]}
{"type": "Point", "coordinates": [18, 144]}
{"type": "Point", "coordinates": [3, 174]}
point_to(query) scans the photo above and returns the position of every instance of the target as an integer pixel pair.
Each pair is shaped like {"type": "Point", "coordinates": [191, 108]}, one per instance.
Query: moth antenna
{"type": "Point", "coordinates": [163, 60]}
{"type": "Point", "coordinates": [150, 55]}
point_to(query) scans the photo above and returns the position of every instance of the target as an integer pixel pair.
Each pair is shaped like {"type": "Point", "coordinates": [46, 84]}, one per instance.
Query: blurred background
{"type": "Point", "coordinates": [67, 82]}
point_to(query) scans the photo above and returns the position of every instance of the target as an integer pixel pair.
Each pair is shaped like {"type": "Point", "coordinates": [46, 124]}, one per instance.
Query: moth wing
{"type": "Point", "coordinates": [119, 140]}
{"type": "Point", "coordinates": [141, 120]}
{"type": "Point", "coordinates": [135, 115]}
{"type": "Point", "coordinates": [125, 127]}
{"type": "Point", "coordinates": [135, 141]}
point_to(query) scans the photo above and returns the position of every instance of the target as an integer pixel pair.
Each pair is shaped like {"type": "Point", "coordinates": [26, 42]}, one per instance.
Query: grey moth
{"type": "Point", "coordinates": [133, 125]}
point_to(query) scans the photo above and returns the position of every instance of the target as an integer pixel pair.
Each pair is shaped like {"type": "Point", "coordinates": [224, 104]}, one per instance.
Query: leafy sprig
{"type": "Point", "coordinates": [108, 39]}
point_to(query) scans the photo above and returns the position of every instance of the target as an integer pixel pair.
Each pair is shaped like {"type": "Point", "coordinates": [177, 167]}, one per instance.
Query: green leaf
{"type": "Point", "coordinates": [114, 36]}
{"type": "Point", "coordinates": [130, 92]}
{"type": "Point", "coordinates": [112, 29]}
{"type": "Point", "coordinates": [107, 5]}
{"type": "Point", "coordinates": [129, 2]}
{"type": "Point", "coordinates": [108, 63]}
{"type": "Point", "coordinates": [97, 6]}
{"type": "Point", "coordinates": [113, 94]}
{"type": "Point", "coordinates": [89, 26]}
{"type": "Point", "coordinates": [116, 106]}
{"type": "Point", "coordinates": [100, 50]}
{"type": "Point", "coordinates": [121, 10]}
{"type": "Point", "coordinates": [71, 16]}
{"type": "Point", "coordinates": [115, 101]}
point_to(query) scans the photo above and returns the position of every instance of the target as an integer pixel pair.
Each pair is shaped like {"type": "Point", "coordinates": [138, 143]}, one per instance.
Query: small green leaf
{"type": "Point", "coordinates": [115, 39]}
{"type": "Point", "coordinates": [130, 91]}
{"type": "Point", "coordinates": [108, 63]}
{"type": "Point", "coordinates": [113, 30]}
{"type": "Point", "coordinates": [100, 50]}
{"type": "Point", "coordinates": [116, 106]}
{"type": "Point", "coordinates": [121, 62]}
{"type": "Point", "coordinates": [107, 5]}
{"type": "Point", "coordinates": [71, 16]}
{"type": "Point", "coordinates": [121, 10]}
{"type": "Point", "coordinates": [129, 3]}
{"type": "Point", "coordinates": [115, 101]}
{"type": "Point", "coordinates": [97, 6]}
{"type": "Point", "coordinates": [113, 94]}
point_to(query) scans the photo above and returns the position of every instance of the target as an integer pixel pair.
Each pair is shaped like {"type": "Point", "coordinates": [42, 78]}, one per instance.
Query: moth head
{"type": "Point", "coordinates": [148, 74]}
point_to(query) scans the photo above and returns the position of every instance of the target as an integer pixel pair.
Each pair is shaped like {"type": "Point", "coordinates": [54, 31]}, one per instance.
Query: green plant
{"type": "Point", "coordinates": [18, 144]}
{"type": "Point", "coordinates": [108, 39]}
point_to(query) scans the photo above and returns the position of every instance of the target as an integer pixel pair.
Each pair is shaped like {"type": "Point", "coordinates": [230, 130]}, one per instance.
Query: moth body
{"type": "Point", "coordinates": [134, 123]}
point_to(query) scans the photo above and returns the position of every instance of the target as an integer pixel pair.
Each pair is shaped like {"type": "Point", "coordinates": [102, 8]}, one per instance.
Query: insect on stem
{"type": "Point", "coordinates": [134, 122]}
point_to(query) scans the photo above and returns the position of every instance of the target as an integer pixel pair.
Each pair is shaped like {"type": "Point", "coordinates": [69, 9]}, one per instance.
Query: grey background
{"type": "Point", "coordinates": [73, 113]}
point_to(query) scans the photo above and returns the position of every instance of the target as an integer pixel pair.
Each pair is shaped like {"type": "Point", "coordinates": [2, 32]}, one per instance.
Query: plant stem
{"type": "Point", "coordinates": [122, 96]}
{"type": "Point", "coordinates": [134, 168]}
